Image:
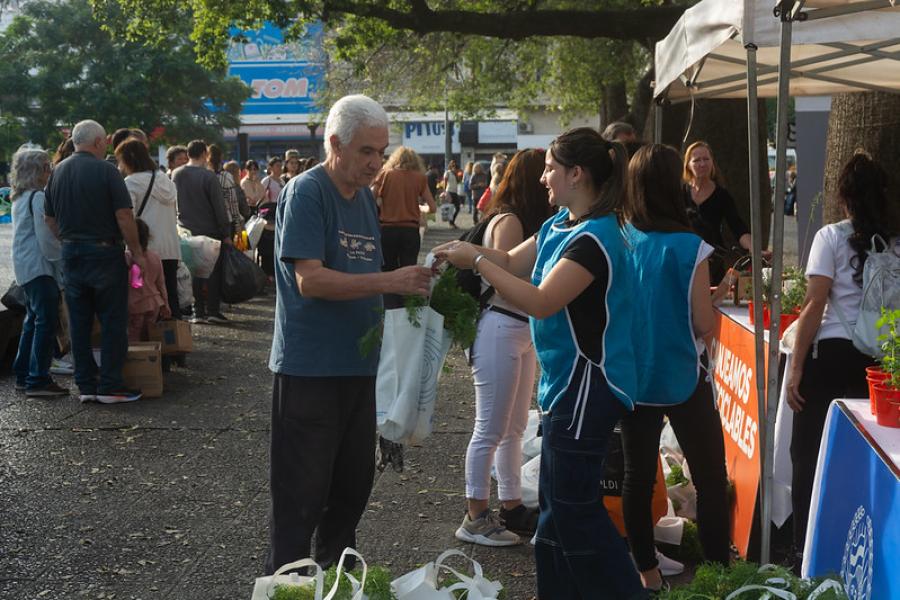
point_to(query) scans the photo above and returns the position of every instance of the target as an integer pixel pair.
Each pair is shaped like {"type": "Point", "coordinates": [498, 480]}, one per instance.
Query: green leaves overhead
{"type": "Point", "coordinates": [63, 68]}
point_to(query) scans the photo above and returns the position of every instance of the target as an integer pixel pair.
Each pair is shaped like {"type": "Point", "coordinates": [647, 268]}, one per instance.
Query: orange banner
{"type": "Point", "coordinates": [735, 380]}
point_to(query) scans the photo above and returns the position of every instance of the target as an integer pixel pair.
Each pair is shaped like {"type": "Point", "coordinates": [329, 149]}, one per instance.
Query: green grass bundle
{"type": "Point", "coordinates": [715, 582]}
{"type": "Point", "coordinates": [378, 586]}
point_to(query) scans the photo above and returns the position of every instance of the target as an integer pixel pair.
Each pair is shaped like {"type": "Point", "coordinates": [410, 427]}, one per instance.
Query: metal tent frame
{"type": "Point", "coordinates": [824, 73]}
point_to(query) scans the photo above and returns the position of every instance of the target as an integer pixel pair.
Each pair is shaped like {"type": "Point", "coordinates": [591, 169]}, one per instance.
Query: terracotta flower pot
{"type": "Point", "coordinates": [874, 375]}
{"type": "Point", "coordinates": [765, 314]}
{"type": "Point", "coordinates": [887, 405]}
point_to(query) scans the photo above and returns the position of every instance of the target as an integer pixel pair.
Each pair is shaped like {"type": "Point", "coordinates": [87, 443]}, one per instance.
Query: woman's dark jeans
{"type": "Point", "coordinates": [97, 284]}
{"type": "Point", "coordinates": [400, 248]}
{"type": "Point", "coordinates": [699, 430]}
{"type": "Point", "coordinates": [579, 554]}
{"type": "Point", "coordinates": [266, 250]}
{"type": "Point", "coordinates": [38, 340]}
{"type": "Point", "coordinates": [170, 274]}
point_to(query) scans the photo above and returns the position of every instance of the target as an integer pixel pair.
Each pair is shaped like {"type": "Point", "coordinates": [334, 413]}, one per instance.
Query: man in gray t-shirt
{"type": "Point", "coordinates": [201, 210]}
{"type": "Point", "coordinates": [328, 270]}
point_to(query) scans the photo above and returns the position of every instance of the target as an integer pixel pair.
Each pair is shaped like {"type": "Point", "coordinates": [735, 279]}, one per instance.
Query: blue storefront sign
{"type": "Point", "coordinates": [854, 526]}
{"type": "Point", "coordinates": [285, 76]}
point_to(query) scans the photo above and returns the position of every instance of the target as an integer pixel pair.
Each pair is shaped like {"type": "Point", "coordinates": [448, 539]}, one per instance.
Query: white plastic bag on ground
{"type": "Point", "coordinates": [185, 286]}
{"type": "Point", "coordinates": [264, 588]}
{"type": "Point", "coordinates": [531, 472]}
{"type": "Point", "coordinates": [412, 357]}
{"type": "Point", "coordinates": [531, 443]}
{"type": "Point", "coordinates": [423, 583]}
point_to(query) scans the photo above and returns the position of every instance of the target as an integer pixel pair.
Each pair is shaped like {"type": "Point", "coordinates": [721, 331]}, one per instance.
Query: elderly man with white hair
{"type": "Point", "coordinates": [329, 287]}
{"type": "Point", "coordinates": [89, 209]}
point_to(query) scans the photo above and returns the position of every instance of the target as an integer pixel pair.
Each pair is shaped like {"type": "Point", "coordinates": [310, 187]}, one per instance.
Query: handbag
{"type": "Point", "coordinates": [147, 193]}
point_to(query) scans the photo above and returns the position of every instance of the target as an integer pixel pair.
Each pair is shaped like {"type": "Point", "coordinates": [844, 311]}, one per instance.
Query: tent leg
{"type": "Point", "coordinates": [756, 227]}
{"type": "Point", "coordinates": [657, 122]}
{"type": "Point", "coordinates": [773, 387]}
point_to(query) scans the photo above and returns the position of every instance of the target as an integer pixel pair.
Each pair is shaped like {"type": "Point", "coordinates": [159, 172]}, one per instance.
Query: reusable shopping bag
{"type": "Point", "coordinates": [242, 278]}
{"type": "Point", "coordinates": [412, 357]}
{"type": "Point", "coordinates": [199, 253]}
{"type": "Point", "coordinates": [423, 583]}
{"type": "Point", "coordinates": [264, 588]}
{"type": "Point", "coordinates": [185, 286]}
{"type": "Point", "coordinates": [254, 228]}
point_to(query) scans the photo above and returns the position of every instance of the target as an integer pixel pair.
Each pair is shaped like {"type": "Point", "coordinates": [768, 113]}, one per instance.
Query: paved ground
{"type": "Point", "coordinates": [167, 498]}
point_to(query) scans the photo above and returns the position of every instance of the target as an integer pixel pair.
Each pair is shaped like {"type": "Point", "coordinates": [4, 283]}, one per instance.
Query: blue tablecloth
{"type": "Point", "coordinates": [854, 519]}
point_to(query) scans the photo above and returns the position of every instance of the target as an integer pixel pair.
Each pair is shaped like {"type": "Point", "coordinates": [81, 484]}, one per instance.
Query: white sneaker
{"type": "Point", "coordinates": [486, 530]}
{"type": "Point", "coordinates": [61, 366]}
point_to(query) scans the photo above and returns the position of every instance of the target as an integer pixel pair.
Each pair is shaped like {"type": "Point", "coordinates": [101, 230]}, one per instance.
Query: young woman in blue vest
{"type": "Point", "coordinates": [676, 313]}
{"type": "Point", "coordinates": [580, 300]}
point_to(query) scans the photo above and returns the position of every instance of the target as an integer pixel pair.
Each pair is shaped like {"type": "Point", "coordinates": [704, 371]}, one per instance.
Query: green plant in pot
{"type": "Point", "coordinates": [886, 401]}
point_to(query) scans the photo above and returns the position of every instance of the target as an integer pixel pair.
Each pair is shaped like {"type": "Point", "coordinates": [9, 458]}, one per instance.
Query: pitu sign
{"type": "Point", "coordinates": [428, 137]}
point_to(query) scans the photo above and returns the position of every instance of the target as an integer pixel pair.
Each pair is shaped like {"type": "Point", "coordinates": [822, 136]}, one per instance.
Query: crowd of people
{"type": "Point", "coordinates": [600, 265]}
{"type": "Point", "coordinates": [596, 262]}
{"type": "Point", "coordinates": [88, 218]}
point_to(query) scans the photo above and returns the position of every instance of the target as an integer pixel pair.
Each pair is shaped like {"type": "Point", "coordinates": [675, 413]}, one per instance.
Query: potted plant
{"type": "Point", "coordinates": [887, 391]}
{"type": "Point", "coordinates": [793, 287]}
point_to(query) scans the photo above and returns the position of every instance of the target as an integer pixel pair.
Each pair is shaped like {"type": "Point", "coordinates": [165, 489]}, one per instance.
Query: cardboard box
{"type": "Point", "coordinates": [143, 368]}
{"type": "Point", "coordinates": [175, 336]}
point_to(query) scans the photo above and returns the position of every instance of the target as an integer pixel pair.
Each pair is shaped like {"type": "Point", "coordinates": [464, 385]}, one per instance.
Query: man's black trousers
{"type": "Point", "coordinates": [322, 465]}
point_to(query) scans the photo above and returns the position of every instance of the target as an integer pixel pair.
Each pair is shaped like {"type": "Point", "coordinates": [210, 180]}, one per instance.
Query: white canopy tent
{"type": "Point", "coordinates": [776, 48]}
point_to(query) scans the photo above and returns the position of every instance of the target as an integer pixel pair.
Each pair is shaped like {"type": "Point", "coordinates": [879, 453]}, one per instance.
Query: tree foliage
{"type": "Point", "coordinates": [57, 66]}
{"type": "Point", "coordinates": [468, 55]}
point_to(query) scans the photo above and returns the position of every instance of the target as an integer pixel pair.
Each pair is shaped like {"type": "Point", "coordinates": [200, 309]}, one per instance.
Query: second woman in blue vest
{"type": "Point", "coordinates": [676, 314]}
{"type": "Point", "coordinates": [581, 303]}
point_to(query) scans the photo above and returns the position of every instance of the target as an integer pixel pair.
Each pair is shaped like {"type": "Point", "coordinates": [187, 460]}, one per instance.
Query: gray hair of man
{"type": "Point", "coordinates": [349, 114]}
{"type": "Point", "coordinates": [617, 128]}
{"type": "Point", "coordinates": [85, 132]}
{"type": "Point", "coordinates": [28, 166]}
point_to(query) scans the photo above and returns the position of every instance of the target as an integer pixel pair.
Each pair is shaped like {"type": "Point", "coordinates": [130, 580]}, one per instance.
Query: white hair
{"type": "Point", "coordinates": [28, 164]}
{"type": "Point", "coordinates": [85, 132]}
{"type": "Point", "coordinates": [350, 113]}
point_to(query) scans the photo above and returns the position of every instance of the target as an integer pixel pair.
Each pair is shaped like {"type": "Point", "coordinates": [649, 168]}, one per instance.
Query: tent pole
{"type": "Point", "coordinates": [657, 121]}
{"type": "Point", "coordinates": [756, 251]}
{"type": "Point", "coordinates": [773, 388]}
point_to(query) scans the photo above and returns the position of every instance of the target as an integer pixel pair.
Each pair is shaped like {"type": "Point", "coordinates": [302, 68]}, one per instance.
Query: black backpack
{"type": "Point", "coordinates": [467, 280]}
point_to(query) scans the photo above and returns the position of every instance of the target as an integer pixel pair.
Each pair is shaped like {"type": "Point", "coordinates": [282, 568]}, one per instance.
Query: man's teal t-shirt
{"type": "Point", "coordinates": [315, 337]}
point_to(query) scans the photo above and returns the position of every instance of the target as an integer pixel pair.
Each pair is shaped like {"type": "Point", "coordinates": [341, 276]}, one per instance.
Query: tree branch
{"type": "Point", "coordinates": [628, 24]}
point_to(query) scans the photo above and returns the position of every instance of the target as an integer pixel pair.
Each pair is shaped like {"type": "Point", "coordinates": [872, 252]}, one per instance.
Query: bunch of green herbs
{"type": "Point", "coordinates": [890, 344]}
{"type": "Point", "coordinates": [716, 582]}
{"type": "Point", "coordinates": [377, 586]}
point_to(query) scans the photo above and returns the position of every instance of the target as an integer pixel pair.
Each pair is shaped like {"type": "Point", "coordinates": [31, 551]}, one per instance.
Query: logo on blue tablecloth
{"type": "Point", "coordinates": [859, 555]}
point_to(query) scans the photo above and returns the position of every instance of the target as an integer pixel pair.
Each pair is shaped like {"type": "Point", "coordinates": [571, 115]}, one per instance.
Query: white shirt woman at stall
{"type": "Point", "coordinates": [826, 364]}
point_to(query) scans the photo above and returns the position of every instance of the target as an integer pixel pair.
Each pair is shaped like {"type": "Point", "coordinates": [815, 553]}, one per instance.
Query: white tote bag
{"type": "Point", "coordinates": [254, 228]}
{"type": "Point", "coordinates": [412, 357]}
{"type": "Point", "coordinates": [264, 587]}
{"type": "Point", "coordinates": [423, 583]}
{"type": "Point", "coordinates": [199, 253]}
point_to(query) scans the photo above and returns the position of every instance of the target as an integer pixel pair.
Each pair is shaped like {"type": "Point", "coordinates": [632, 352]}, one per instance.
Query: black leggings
{"type": "Point", "coordinates": [170, 274]}
{"type": "Point", "coordinates": [457, 203]}
{"type": "Point", "coordinates": [839, 371]}
{"type": "Point", "coordinates": [266, 250]}
{"type": "Point", "coordinates": [699, 430]}
{"type": "Point", "coordinates": [400, 248]}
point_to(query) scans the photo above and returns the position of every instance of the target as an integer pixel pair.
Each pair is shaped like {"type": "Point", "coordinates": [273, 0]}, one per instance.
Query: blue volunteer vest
{"type": "Point", "coordinates": [554, 338]}
{"type": "Point", "coordinates": [665, 349]}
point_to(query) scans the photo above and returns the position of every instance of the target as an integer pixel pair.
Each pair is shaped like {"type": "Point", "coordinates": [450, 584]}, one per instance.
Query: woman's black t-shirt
{"type": "Point", "coordinates": [706, 219]}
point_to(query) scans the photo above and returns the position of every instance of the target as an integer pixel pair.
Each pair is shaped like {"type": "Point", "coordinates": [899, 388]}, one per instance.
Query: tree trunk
{"type": "Point", "coordinates": [723, 125]}
{"type": "Point", "coordinates": [868, 121]}
{"type": "Point", "coordinates": [614, 106]}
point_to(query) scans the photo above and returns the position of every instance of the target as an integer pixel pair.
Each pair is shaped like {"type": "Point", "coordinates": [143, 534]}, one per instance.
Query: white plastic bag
{"type": "Point", "coordinates": [531, 473]}
{"type": "Point", "coordinates": [185, 286]}
{"type": "Point", "coordinates": [447, 211]}
{"type": "Point", "coordinates": [423, 583]}
{"type": "Point", "coordinates": [264, 588]}
{"type": "Point", "coordinates": [254, 228]}
{"type": "Point", "coordinates": [199, 253]}
{"type": "Point", "coordinates": [531, 443]}
{"type": "Point", "coordinates": [412, 356]}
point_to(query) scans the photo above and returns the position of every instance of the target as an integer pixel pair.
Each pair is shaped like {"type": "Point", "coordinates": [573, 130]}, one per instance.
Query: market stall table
{"type": "Point", "coordinates": [854, 519]}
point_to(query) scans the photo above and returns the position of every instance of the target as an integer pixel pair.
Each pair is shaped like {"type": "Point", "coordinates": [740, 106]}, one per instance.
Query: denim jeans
{"type": "Point", "coordinates": [207, 292]}
{"type": "Point", "coordinates": [97, 284]}
{"type": "Point", "coordinates": [579, 554]}
{"type": "Point", "coordinates": [38, 340]}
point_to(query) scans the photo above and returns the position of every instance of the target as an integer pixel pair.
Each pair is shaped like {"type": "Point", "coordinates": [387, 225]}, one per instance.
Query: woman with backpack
{"type": "Point", "coordinates": [580, 300]}
{"type": "Point", "coordinates": [826, 365]}
{"type": "Point", "coordinates": [672, 269]}
{"type": "Point", "coordinates": [503, 367]}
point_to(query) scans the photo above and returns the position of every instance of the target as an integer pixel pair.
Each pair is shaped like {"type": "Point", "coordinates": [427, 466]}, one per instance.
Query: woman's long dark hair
{"type": "Point", "coordinates": [522, 193]}
{"type": "Point", "coordinates": [603, 161]}
{"type": "Point", "coordinates": [654, 198]}
{"type": "Point", "coordinates": [862, 187]}
{"type": "Point", "coordinates": [134, 154]}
